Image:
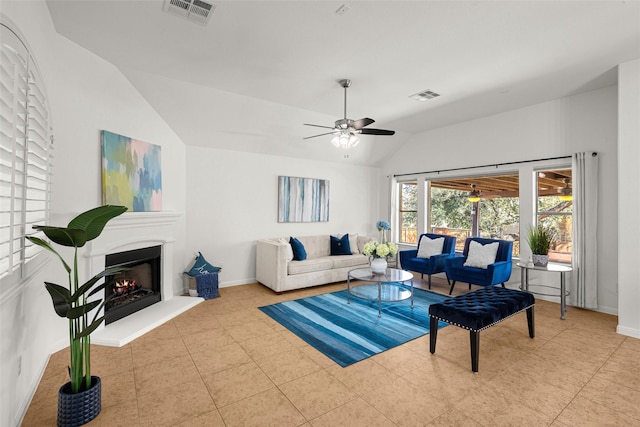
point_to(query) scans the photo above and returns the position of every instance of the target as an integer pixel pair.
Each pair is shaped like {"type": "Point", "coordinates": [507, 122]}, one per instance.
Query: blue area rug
{"type": "Point", "coordinates": [349, 333]}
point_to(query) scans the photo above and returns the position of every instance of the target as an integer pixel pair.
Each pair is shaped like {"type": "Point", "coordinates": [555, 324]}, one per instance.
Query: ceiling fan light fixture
{"type": "Point", "coordinates": [474, 195]}
{"type": "Point", "coordinates": [345, 140]}
{"type": "Point", "coordinates": [565, 194]}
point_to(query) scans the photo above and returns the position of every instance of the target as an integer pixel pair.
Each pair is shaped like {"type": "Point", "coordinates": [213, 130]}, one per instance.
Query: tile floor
{"type": "Point", "coordinates": [225, 363]}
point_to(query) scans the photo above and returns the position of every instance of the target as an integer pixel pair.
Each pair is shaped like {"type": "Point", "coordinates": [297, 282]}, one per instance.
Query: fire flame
{"type": "Point", "coordinates": [124, 286]}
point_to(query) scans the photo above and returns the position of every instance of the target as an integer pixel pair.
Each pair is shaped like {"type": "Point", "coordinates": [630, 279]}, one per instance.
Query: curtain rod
{"type": "Point", "coordinates": [486, 166]}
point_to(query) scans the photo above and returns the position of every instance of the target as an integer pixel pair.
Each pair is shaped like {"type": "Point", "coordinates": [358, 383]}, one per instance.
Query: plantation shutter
{"type": "Point", "coordinates": [25, 154]}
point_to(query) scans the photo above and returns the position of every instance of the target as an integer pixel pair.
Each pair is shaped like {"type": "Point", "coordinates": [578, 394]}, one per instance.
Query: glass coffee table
{"type": "Point", "coordinates": [380, 287]}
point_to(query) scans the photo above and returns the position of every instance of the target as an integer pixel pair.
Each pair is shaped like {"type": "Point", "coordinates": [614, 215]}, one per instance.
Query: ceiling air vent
{"type": "Point", "coordinates": [194, 10]}
{"type": "Point", "coordinates": [424, 95]}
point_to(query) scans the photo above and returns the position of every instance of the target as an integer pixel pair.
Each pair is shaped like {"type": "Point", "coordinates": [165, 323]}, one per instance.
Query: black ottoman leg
{"type": "Point", "coordinates": [433, 334]}
{"type": "Point", "coordinates": [475, 349]}
{"type": "Point", "coordinates": [531, 322]}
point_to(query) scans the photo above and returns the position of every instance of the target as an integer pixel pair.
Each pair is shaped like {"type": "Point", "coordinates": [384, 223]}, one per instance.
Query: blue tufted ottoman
{"type": "Point", "coordinates": [479, 310]}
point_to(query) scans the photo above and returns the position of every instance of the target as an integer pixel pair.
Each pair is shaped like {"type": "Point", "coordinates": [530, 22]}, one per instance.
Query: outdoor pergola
{"type": "Point", "coordinates": [491, 186]}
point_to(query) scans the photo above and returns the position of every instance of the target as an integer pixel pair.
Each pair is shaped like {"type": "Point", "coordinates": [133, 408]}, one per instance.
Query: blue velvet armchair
{"type": "Point", "coordinates": [432, 265]}
{"type": "Point", "coordinates": [496, 273]}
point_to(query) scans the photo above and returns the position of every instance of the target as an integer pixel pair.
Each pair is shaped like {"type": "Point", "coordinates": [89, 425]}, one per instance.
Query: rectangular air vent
{"type": "Point", "coordinates": [424, 95]}
{"type": "Point", "coordinates": [194, 10]}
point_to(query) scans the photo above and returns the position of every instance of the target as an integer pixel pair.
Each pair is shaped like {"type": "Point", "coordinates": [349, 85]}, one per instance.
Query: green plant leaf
{"type": "Point", "coordinates": [93, 221]}
{"type": "Point", "coordinates": [43, 243]}
{"type": "Point", "coordinates": [60, 298]}
{"type": "Point", "coordinates": [70, 237]}
{"type": "Point", "coordinates": [81, 310]}
{"type": "Point", "coordinates": [92, 327]}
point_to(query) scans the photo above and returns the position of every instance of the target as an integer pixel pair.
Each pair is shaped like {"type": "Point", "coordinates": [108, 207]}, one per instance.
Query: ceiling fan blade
{"type": "Point", "coordinates": [377, 132]}
{"type": "Point", "coordinates": [322, 134]}
{"type": "Point", "coordinates": [359, 124]}
{"type": "Point", "coordinates": [319, 126]}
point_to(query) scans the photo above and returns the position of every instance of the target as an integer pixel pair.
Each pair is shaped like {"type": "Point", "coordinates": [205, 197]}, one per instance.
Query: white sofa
{"type": "Point", "coordinates": [276, 270]}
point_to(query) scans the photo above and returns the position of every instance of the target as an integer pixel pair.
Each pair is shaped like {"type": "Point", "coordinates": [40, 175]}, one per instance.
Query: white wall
{"type": "Point", "coordinates": [86, 95]}
{"type": "Point", "coordinates": [629, 198]}
{"type": "Point", "coordinates": [233, 201]}
{"type": "Point", "coordinates": [584, 122]}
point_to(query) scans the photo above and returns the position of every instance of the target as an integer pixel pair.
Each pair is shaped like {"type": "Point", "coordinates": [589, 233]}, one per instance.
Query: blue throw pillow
{"type": "Point", "coordinates": [201, 267]}
{"type": "Point", "coordinates": [299, 253]}
{"type": "Point", "coordinates": [340, 246]}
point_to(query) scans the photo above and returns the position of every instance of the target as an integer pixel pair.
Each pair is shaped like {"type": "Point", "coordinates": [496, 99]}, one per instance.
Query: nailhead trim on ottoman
{"type": "Point", "coordinates": [479, 310]}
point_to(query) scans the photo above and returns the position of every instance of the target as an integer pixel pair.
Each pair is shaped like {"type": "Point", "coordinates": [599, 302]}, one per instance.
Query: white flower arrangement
{"type": "Point", "coordinates": [379, 250]}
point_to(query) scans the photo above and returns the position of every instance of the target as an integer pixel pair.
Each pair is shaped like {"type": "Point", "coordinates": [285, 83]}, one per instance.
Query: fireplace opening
{"type": "Point", "coordinates": [136, 288]}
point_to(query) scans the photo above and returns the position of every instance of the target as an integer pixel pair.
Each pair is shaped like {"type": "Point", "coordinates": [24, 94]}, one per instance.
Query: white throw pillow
{"type": "Point", "coordinates": [429, 247]}
{"type": "Point", "coordinates": [289, 248]}
{"type": "Point", "coordinates": [353, 243]}
{"type": "Point", "coordinates": [481, 256]}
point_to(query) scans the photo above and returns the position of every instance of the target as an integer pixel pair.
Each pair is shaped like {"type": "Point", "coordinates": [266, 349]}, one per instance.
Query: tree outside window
{"type": "Point", "coordinates": [408, 212]}
{"type": "Point", "coordinates": [555, 210]}
{"type": "Point", "coordinates": [496, 215]}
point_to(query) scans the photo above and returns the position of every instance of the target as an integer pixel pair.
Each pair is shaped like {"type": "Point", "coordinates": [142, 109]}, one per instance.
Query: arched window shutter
{"type": "Point", "coordinates": [25, 154]}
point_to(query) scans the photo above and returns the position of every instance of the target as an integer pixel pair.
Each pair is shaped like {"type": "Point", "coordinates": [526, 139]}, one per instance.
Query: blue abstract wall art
{"type": "Point", "coordinates": [303, 199]}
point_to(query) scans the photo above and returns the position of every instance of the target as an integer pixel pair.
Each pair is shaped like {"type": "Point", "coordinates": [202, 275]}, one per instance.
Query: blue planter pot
{"type": "Point", "coordinates": [79, 408]}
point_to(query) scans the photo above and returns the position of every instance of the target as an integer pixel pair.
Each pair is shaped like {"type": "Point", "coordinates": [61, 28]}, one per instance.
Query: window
{"type": "Point", "coordinates": [25, 154]}
{"type": "Point", "coordinates": [555, 209]}
{"type": "Point", "coordinates": [408, 212]}
{"type": "Point", "coordinates": [496, 213]}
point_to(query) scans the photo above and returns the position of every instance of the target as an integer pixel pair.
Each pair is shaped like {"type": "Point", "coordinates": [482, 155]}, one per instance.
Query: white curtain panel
{"type": "Point", "coordinates": [584, 280]}
{"type": "Point", "coordinates": [393, 211]}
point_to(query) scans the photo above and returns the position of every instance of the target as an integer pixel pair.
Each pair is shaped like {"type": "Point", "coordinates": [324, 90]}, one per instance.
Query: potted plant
{"type": "Point", "coordinates": [378, 253]}
{"type": "Point", "coordinates": [540, 239]}
{"type": "Point", "coordinates": [79, 400]}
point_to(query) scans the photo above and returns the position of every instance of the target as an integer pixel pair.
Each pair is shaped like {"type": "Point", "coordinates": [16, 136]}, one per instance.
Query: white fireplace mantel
{"type": "Point", "coordinates": [136, 230]}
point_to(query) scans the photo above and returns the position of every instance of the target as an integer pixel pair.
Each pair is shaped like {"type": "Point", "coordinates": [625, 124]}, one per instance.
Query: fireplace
{"type": "Point", "coordinates": [137, 287]}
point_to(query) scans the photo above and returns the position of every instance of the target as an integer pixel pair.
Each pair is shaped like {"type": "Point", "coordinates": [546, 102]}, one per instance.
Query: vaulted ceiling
{"type": "Point", "coordinates": [258, 70]}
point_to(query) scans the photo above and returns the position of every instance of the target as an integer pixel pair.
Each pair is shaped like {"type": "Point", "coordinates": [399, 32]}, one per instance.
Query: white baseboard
{"type": "Point", "coordinates": [237, 282]}
{"type": "Point", "coordinates": [32, 391]}
{"type": "Point", "coordinates": [630, 332]}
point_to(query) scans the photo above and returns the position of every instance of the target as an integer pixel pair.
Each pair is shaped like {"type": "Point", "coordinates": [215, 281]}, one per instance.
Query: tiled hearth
{"type": "Point", "coordinates": [136, 230]}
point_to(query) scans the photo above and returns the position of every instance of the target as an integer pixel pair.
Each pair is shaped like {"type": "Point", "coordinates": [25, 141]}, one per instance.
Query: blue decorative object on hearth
{"type": "Point", "coordinates": [207, 285]}
{"type": "Point", "coordinates": [201, 266]}
{"type": "Point", "coordinates": [410, 259]}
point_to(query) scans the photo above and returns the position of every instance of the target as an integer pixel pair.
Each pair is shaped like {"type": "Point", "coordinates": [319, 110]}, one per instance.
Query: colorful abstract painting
{"type": "Point", "coordinates": [303, 199]}
{"type": "Point", "coordinates": [131, 173]}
